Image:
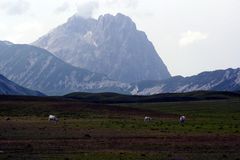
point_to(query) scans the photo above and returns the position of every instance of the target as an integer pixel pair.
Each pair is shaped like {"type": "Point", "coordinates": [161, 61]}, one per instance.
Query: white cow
{"type": "Point", "coordinates": [52, 118]}
{"type": "Point", "coordinates": [182, 119]}
{"type": "Point", "coordinates": [147, 119]}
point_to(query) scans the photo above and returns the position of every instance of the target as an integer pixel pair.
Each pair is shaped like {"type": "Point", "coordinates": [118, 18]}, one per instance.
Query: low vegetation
{"type": "Point", "coordinates": [97, 131]}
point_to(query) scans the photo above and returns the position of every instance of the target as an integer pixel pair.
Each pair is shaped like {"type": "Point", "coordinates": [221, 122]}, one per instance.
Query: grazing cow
{"type": "Point", "coordinates": [52, 118]}
{"type": "Point", "coordinates": [147, 119]}
{"type": "Point", "coordinates": [182, 119]}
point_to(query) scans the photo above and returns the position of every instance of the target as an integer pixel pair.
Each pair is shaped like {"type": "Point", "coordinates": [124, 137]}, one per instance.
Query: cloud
{"type": "Point", "coordinates": [121, 3]}
{"type": "Point", "coordinates": [87, 9]}
{"type": "Point", "coordinates": [126, 4]}
{"type": "Point", "coordinates": [15, 7]}
{"type": "Point", "coordinates": [63, 8]}
{"type": "Point", "coordinates": [132, 3]}
{"type": "Point", "coordinates": [191, 37]}
{"type": "Point", "coordinates": [3, 27]}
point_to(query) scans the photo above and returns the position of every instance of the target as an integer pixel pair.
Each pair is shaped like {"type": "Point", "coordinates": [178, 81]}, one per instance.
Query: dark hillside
{"type": "Point", "coordinates": [166, 97]}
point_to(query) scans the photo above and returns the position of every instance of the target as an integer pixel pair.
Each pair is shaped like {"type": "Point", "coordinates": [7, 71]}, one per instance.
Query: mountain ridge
{"type": "Point", "coordinates": [112, 98]}
{"type": "Point", "coordinates": [218, 80]}
{"type": "Point", "coordinates": [111, 45]}
{"type": "Point", "coordinates": [38, 69]}
{"type": "Point", "coordinates": [8, 87]}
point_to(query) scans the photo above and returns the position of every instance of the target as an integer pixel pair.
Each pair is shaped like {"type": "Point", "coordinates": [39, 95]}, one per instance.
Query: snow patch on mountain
{"type": "Point", "coordinates": [238, 78]}
{"type": "Point", "coordinates": [88, 37]}
{"type": "Point", "coordinates": [152, 91]}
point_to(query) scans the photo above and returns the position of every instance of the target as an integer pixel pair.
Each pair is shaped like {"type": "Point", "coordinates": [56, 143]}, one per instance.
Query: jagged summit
{"type": "Point", "coordinates": [110, 45]}
{"type": "Point", "coordinates": [118, 19]}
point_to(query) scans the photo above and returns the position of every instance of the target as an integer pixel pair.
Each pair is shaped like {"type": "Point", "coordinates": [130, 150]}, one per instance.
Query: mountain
{"type": "Point", "coordinates": [38, 69]}
{"type": "Point", "coordinates": [111, 45]}
{"type": "Point", "coordinates": [220, 80]}
{"type": "Point", "coordinates": [8, 87]}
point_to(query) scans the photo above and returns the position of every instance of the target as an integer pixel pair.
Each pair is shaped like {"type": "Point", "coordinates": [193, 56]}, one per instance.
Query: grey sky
{"type": "Point", "coordinates": [190, 36]}
{"type": "Point", "coordinates": [14, 7]}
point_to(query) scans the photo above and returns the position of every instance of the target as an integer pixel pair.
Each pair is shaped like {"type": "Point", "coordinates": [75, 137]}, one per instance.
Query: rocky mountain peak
{"type": "Point", "coordinates": [118, 22]}
{"type": "Point", "coordinates": [77, 24]}
{"type": "Point", "coordinates": [111, 45]}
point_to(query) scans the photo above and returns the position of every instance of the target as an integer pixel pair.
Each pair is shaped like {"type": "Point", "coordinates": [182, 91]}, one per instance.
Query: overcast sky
{"type": "Point", "coordinates": [190, 36]}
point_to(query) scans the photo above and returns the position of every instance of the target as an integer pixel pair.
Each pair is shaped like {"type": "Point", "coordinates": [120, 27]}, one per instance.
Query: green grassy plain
{"type": "Point", "coordinates": [89, 131]}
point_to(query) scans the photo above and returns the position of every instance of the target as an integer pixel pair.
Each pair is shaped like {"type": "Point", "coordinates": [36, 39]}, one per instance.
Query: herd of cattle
{"type": "Point", "coordinates": [182, 119]}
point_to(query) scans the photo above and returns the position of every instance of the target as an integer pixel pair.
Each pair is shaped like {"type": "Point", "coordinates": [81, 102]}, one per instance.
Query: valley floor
{"type": "Point", "coordinates": [117, 132]}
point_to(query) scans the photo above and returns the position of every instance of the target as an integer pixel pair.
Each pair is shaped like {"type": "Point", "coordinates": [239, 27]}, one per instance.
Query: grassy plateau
{"type": "Point", "coordinates": [111, 127]}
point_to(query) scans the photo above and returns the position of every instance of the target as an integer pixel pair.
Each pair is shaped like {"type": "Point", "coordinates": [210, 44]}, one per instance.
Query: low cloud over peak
{"type": "Point", "coordinates": [87, 9]}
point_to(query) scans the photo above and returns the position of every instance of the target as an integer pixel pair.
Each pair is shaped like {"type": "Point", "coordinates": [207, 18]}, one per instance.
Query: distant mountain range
{"type": "Point", "coordinates": [38, 69]}
{"type": "Point", "coordinates": [8, 87]}
{"type": "Point", "coordinates": [220, 80]}
{"type": "Point", "coordinates": [104, 55]}
{"type": "Point", "coordinates": [111, 45]}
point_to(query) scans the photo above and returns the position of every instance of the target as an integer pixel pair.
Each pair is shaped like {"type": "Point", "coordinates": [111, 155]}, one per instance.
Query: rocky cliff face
{"type": "Point", "coordinates": [111, 45]}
